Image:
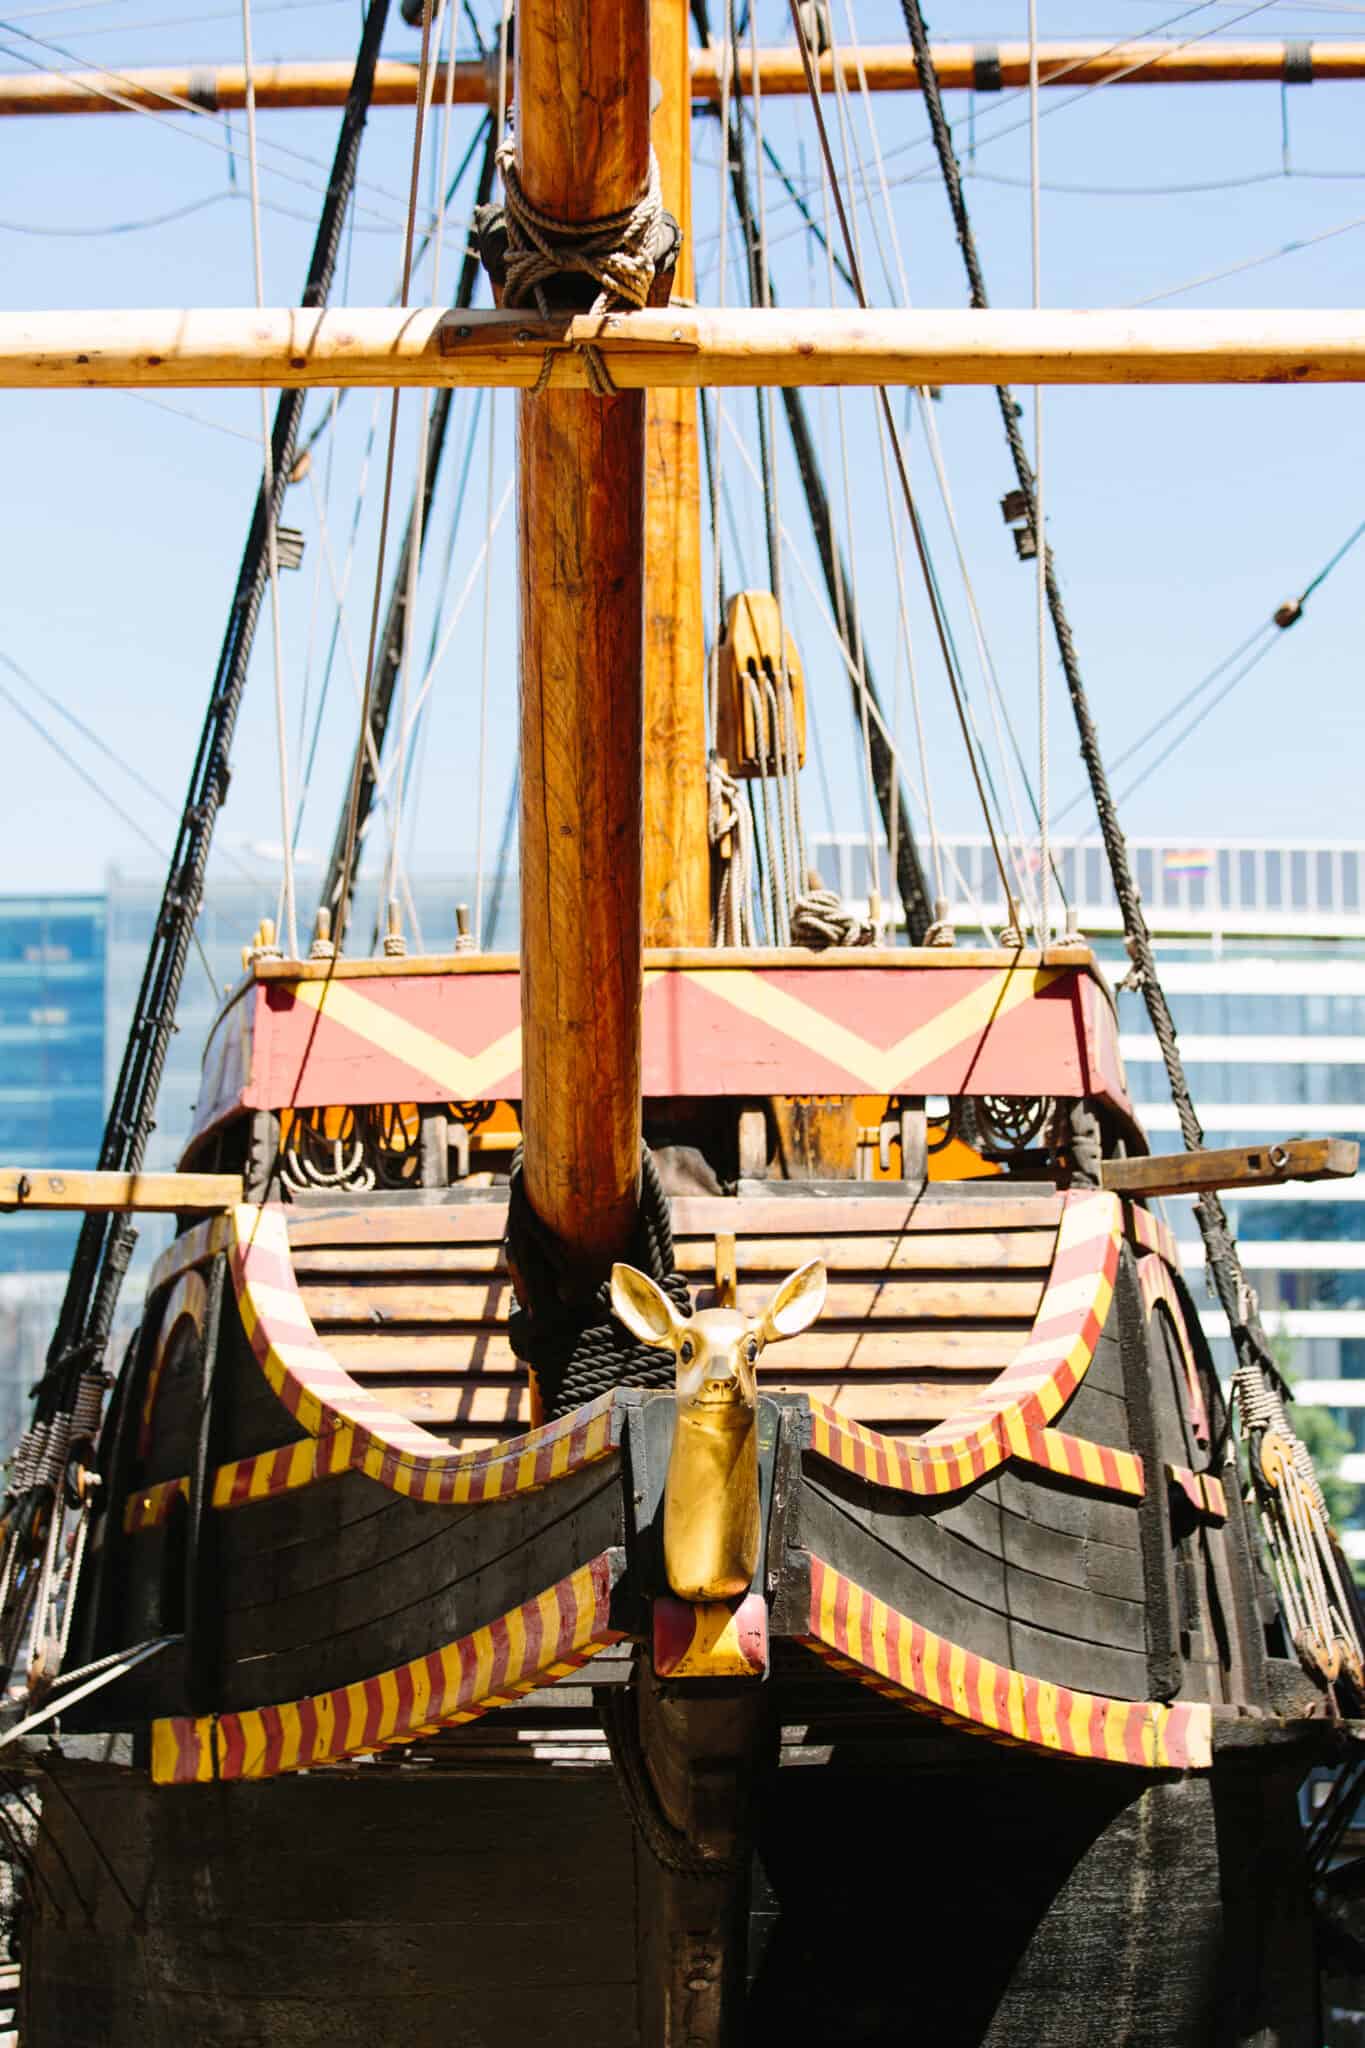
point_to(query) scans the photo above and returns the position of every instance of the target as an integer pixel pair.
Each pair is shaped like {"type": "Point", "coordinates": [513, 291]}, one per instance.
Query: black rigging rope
{"type": "Point", "coordinates": [105, 1243]}
{"type": "Point", "coordinates": [1238, 1301]}
{"type": "Point", "coordinates": [388, 661]}
{"type": "Point", "coordinates": [892, 801]}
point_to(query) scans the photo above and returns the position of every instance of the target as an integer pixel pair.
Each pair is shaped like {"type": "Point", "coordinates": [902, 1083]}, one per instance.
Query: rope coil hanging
{"type": "Point", "coordinates": [569, 1337]}
{"type": "Point", "coordinates": [619, 252]}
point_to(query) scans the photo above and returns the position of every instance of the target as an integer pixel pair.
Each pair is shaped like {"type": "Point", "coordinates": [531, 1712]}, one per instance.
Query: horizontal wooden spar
{"type": "Point", "coordinates": [33, 1187]}
{"type": "Point", "coordinates": [1236, 1166]}
{"type": "Point", "coordinates": [887, 68]}
{"type": "Point", "coordinates": [741, 347]}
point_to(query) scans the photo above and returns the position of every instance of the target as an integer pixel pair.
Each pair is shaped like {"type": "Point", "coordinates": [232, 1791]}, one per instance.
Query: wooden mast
{"type": "Point", "coordinates": [583, 83]}
{"type": "Point", "coordinates": [677, 876]}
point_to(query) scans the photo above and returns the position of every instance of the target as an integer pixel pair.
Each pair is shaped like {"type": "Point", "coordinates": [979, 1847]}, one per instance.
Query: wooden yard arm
{"type": "Point", "coordinates": [324, 82]}
{"type": "Point", "coordinates": [1237, 1166]}
{"type": "Point", "coordinates": [34, 1187]}
{"type": "Point", "coordinates": [237, 347]}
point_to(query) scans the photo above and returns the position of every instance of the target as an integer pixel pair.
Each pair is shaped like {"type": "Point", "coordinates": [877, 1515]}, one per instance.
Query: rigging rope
{"type": "Point", "coordinates": [365, 768]}
{"type": "Point", "coordinates": [415, 535]}
{"type": "Point", "coordinates": [70, 1393]}
{"type": "Point", "coordinates": [1286, 1487]}
{"type": "Point", "coordinates": [289, 920]}
{"type": "Point", "coordinates": [618, 251]}
{"type": "Point", "coordinates": [910, 882]}
{"type": "Point", "coordinates": [1039, 512]}
{"type": "Point", "coordinates": [898, 452]}
{"type": "Point", "coordinates": [341, 902]}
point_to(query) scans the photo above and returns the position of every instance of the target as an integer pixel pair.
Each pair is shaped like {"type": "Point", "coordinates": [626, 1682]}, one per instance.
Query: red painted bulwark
{"type": "Point", "coordinates": [978, 1028]}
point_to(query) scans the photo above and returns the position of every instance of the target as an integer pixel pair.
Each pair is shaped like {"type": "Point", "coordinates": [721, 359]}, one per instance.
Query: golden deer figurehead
{"type": "Point", "coordinates": [711, 1496]}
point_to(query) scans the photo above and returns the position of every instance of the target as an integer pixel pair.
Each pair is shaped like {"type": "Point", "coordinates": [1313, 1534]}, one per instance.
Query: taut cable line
{"type": "Point", "coordinates": [289, 919]}
{"type": "Point", "coordinates": [898, 453]}
{"type": "Point", "coordinates": [1294, 1516]}
{"type": "Point", "coordinates": [342, 905]}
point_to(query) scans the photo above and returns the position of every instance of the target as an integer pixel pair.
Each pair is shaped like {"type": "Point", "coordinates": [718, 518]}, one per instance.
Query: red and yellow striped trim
{"type": "Point", "coordinates": [1150, 1234]}
{"type": "Point", "coordinates": [192, 1248]}
{"type": "Point", "coordinates": [186, 1302]}
{"type": "Point", "coordinates": [1203, 1490]}
{"type": "Point", "coordinates": [354, 1432]}
{"type": "Point", "coordinates": [1007, 1418]}
{"type": "Point", "coordinates": [538, 1643]}
{"type": "Point", "coordinates": [1157, 1286]}
{"type": "Point", "coordinates": [854, 1631]}
{"type": "Point", "coordinates": [150, 1506]}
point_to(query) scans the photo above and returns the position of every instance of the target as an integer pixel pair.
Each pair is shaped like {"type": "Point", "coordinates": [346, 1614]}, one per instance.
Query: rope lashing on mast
{"type": "Point", "coordinates": [75, 1370]}
{"type": "Point", "coordinates": [1294, 1516]}
{"type": "Point", "coordinates": [619, 252]}
{"type": "Point", "coordinates": [569, 1336]}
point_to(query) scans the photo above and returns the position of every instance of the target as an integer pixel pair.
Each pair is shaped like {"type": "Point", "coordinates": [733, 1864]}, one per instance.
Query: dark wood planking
{"type": "Point", "coordinates": [908, 1528]}
{"type": "Point", "coordinates": [1234, 1166]}
{"type": "Point", "coordinates": [377, 1620]}
{"type": "Point", "coordinates": [430, 1935]}
{"type": "Point", "coordinates": [267, 1593]}
{"type": "Point", "coordinates": [1034, 1496]}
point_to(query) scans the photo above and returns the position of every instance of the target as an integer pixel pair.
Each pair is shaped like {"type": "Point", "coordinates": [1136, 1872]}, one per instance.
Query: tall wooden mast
{"type": "Point", "coordinates": [583, 88]}
{"type": "Point", "coordinates": [677, 900]}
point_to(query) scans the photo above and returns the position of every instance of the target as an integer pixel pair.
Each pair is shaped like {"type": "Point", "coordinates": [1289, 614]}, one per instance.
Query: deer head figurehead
{"type": "Point", "coordinates": [711, 1496]}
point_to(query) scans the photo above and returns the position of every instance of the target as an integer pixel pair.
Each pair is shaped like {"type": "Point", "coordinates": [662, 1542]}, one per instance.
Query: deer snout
{"type": "Point", "coordinates": [720, 1379]}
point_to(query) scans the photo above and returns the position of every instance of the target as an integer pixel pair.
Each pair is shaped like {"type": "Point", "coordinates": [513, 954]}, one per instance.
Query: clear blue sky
{"type": "Point", "coordinates": [1180, 518]}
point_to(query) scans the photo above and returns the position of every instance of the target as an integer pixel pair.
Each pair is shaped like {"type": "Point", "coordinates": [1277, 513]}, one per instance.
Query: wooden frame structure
{"type": "Point", "coordinates": [980, 67]}
{"type": "Point", "coordinates": [238, 348]}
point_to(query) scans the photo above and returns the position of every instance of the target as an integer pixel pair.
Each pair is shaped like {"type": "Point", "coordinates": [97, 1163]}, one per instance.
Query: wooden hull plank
{"type": "Point", "coordinates": [538, 1641]}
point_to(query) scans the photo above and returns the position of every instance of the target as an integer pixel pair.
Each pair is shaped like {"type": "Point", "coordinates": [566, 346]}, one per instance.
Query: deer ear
{"type": "Point", "coordinates": [796, 1304]}
{"type": "Point", "coordinates": [644, 1308]}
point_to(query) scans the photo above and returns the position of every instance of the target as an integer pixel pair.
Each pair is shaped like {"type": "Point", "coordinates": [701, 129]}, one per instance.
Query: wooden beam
{"type": "Point", "coordinates": [667, 349]}
{"type": "Point", "coordinates": [888, 68]}
{"type": "Point", "coordinates": [583, 89]}
{"type": "Point", "coordinates": [1238, 1166]}
{"type": "Point", "coordinates": [34, 1187]}
{"type": "Point", "coordinates": [677, 865]}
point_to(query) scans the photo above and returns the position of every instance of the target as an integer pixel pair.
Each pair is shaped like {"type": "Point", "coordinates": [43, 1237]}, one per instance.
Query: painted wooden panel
{"type": "Point", "coordinates": [731, 1030]}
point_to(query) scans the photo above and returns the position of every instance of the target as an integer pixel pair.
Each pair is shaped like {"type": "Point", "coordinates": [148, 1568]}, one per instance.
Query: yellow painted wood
{"type": "Point", "coordinates": [670, 348]}
{"type": "Point", "coordinates": [33, 1187]}
{"type": "Point", "coordinates": [325, 82]}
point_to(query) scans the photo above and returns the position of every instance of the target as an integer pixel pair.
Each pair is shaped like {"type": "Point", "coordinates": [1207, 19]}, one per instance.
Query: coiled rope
{"type": "Point", "coordinates": [618, 251]}
{"type": "Point", "coordinates": [569, 1337]}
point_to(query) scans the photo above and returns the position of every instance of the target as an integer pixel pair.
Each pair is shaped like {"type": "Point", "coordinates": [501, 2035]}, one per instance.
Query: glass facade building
{"type": "Point", "coordinates": [1262, 953]}
{"type": "Point", "coordinates": [52, 951]}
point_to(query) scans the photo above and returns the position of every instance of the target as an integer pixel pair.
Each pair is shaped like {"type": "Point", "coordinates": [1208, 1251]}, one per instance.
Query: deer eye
{"type": "Point", "coordinates": [751, 1349]}
{"type": "Point", "coordinates": [687, 1351]}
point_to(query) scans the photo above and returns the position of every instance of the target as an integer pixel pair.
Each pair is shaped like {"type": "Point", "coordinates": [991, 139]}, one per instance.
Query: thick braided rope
{"type": "Point", "coordinates": [820, 918]}
{"type": "Point", "coordinates": [572, 1341]}
{"type": "Point", "coordinates": [617, 250]}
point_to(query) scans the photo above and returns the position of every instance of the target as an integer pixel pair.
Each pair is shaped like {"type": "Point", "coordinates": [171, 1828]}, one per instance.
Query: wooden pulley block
{"type": "Point", "coordinates": [757, 661]}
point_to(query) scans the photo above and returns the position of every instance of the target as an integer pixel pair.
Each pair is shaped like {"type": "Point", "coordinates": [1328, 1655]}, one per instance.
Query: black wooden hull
{"type": "Point", "coordinates": [1012, 1769]}
{"type": "Point", "coordinates": [901, 1891]}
